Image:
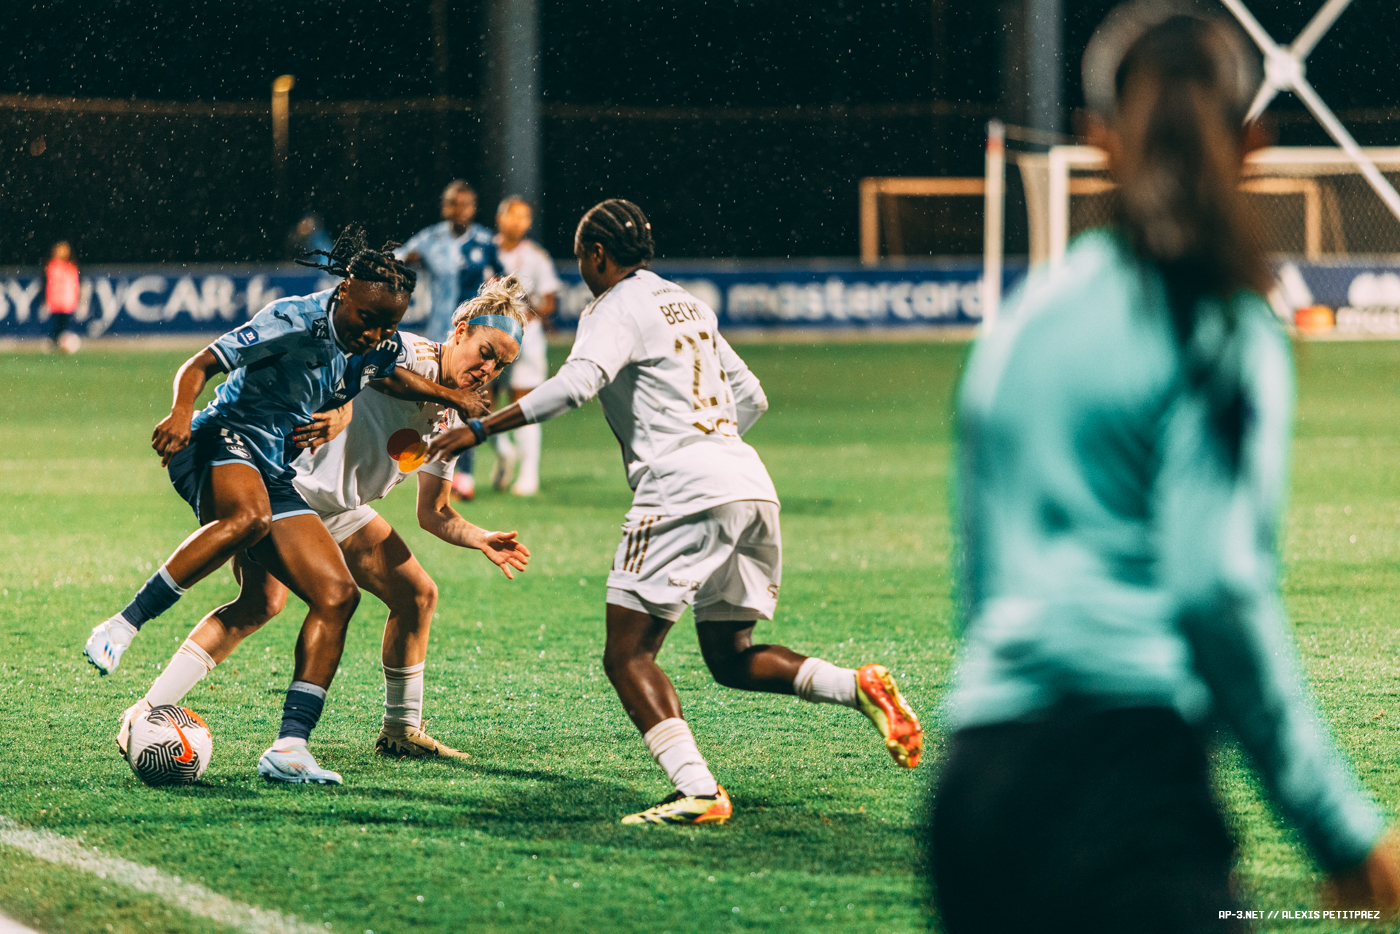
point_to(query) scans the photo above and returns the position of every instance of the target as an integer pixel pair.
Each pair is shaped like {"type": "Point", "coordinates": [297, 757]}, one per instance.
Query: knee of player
{"type": "Point", "coordinates": [250, 526]}
{"type": "Point", "coordinates": [425, 597]}
{"type": "Point", "coordinates": [339, 598]}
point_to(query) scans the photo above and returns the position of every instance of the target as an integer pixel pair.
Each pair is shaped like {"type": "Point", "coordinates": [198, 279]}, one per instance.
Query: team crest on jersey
{"type": "Point", "coordinates": [247, 336]}
{"type": "Point", "coordinates": [477, 255]}
{"type": "Point", "coordinates": [320, 329]}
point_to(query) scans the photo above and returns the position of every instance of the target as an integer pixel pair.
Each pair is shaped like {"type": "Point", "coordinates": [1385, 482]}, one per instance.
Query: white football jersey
{"type": "Point", "coordinates": [385, 442]}
{"type": "Point", "coordinates": [670, 398]}
{"type": "Point", "coordinates": [532, 264]}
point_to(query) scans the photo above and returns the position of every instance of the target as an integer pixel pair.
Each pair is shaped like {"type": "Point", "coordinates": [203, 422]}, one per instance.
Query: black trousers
{"type": "Point", "coordinates": [59, 324]}
{"type": "Point", "coordinates": [1085, 822]}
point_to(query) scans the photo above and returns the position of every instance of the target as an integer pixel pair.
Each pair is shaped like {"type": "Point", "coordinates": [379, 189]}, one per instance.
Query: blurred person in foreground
{"type": "Point", "coordinates": [528, 261]}
{"type": "Point", "coordinates": [1123, 463]}
{"type": "Point", "coordinates": [61, 292]}
{"type": "Point", "coordinates": [459, 256]}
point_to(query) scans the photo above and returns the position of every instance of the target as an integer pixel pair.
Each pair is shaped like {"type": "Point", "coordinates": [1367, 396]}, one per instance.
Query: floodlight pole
{"type": "Point", "coordinates": [281, 90]}
{"type": "Point", "coordinates": [1284, 70]}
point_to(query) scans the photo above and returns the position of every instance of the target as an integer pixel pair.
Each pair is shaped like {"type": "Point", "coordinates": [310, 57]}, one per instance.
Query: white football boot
{"type": "Point", "coordinates": [124, 731]}
{"type": "Point", "coordinates": [294, 766]}
{"type": "Point", "coordinates": [109, 639]}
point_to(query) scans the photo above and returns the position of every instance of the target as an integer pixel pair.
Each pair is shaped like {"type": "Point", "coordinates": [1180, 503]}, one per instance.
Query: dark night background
{"type": "Point", "coordinates": [742, 128]}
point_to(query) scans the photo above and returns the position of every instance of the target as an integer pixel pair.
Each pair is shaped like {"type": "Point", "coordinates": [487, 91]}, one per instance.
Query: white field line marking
{"type": "Point", "coordinates": [195, 899]}
{"type": "Point", "coordinates": [10, 926]}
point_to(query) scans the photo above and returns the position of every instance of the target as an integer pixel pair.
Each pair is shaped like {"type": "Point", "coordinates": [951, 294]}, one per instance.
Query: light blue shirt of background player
{"type": "Point", "coordinates": [285, 365]}
{"type": "Point", "coordinates": [441, 250]}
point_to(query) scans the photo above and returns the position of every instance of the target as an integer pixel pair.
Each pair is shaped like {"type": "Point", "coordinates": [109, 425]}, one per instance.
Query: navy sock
{"type": "Point", "coordinates": [156, 596]}
{"type": "Point", "coordinates": [301, 710]}
{"type": "Point", "coordinates": [464, 463]}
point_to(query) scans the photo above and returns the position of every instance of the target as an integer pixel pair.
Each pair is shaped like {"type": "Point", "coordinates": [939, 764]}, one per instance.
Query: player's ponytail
{"type": "Point", "coordinates": [501, 296]}
{"type": "Point", "coordinates": [1175, 87]}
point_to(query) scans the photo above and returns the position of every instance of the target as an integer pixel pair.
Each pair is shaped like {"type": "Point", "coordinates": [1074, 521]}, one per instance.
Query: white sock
{"type": "Point", "coordinates": [821, 682]}
{"type": "Point", "coordinates": [403, 695]}
{"type": "Point", "coordinates": [189, 664]}
{"type": "Point", "coordinates": [673, 747]}
{"type": "Point", "coordinates": [529, 439]}
{"type": "Point", "coordinates": [504, 446]}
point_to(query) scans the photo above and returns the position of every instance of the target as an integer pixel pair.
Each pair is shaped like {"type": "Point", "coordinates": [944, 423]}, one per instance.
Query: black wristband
{"type": "Point", "coordinates": [478, 429]}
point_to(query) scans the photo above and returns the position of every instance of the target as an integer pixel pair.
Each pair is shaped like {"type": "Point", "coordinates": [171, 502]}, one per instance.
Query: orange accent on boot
{"type": "Point", "coordinates": [903, 736]}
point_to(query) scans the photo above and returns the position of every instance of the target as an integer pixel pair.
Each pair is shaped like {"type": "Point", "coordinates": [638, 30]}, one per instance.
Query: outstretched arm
{"type": "Point", "coordinates": [1219, 515]}
{"type": "Point", "coordinates": [173, 432]}
{"type": "Point", "coordinates": [436, 515]}
{"type": "Point", "coordinates": [403, 383]}
{"type": "Point", "coordinates": [576, 382]}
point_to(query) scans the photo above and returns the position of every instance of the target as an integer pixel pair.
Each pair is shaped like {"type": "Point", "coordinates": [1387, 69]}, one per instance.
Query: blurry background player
{"type": "Point", "coordinates": [703, 528]}
{"type": "Point", "coordinates": [230, 463]}
{"type": "Point", "coordinates": [61, 291]}
{"type": "Point", "coordinates": [526, 260]}
{"type": "Point", "coordinates": [1123, 453]}
{"type": "Point", "coordinates": [458, 255]}
{"type": "Point", "coordinates": [383, 444]}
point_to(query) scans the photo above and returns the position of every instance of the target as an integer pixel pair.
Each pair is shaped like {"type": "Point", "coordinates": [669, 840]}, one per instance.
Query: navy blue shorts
{"type": "Point", "coordinates": [212, 446]}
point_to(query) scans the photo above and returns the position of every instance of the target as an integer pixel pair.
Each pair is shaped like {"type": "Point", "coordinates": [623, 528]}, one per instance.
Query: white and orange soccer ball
{"type": "Point", "coordinates": [68, 342]}
{"type": "Point", "coordinates": [169, 745]}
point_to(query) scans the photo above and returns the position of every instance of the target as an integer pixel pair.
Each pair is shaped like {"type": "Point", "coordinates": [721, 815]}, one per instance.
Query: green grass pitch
{"type": "Point", "coordinates": [524, 835]}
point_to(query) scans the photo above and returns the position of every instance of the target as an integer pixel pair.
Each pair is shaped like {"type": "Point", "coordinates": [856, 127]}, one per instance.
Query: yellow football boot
{"type": "Point", "coordinates": [686, 809]}
{"type": "Point", "coordinates": [400, 741]}
{"type": "Point", "coordinates": [880, 700]}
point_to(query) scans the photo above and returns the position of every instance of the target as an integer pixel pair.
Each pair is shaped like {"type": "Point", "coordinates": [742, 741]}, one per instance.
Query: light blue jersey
{"type": "Point", "coordinates": [442, 254]}
{"type": "Point", "coordinates": [285, 365]}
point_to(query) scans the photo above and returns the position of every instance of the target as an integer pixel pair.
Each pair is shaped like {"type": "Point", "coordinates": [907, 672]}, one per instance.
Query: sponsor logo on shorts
{"type": "Point", "coordinates": [688, 585]}
{"type": "Point", "coordinates": [773, 591]}
{"type": "Point", "coordinates": [234, 445]}
{"type": "Point", "coordinates": [247, 336]}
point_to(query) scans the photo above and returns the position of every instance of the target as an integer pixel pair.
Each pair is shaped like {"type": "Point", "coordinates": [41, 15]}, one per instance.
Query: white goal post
{"type": "Point", "coordinates": [1313, 203]}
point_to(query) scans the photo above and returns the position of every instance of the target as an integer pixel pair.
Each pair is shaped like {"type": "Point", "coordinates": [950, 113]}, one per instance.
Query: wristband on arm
{"type": "Point", "coordinates": [478, 430]}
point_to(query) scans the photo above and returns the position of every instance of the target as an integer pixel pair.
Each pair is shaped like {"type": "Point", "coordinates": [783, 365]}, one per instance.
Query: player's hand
{"type": "Point", "coordinates": [324, 426]}
{"type": "Point", "coordinates": [172, 435]}
{"type": "Point", "coordinates": [1375, 883]}
{"type": "Point", "coordinates": [505, 552]}
{"type": "Point", "coordinates": [451, 443]}
{"type": "Point", "coordinates": [470, 403]}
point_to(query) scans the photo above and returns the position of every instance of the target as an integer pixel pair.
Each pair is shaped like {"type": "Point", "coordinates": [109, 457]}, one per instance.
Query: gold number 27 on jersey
{"type": "Point", "coordinates": [702, 387]}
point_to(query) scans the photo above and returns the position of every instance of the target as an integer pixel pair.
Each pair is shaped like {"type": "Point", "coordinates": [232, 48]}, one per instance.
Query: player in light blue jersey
{"type": "Point", "coordinates": [230, 462]}
{"type": "Point", "coordinates": [459, 256]}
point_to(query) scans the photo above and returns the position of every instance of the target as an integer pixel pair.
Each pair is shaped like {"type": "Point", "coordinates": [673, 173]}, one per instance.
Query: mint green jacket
{"type": "Point", "coordinates": [1117, 550]}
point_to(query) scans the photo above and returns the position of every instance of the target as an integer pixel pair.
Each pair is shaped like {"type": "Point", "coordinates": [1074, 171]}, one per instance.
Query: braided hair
{"type": "Point", "coordinates": [621, 228]}
{"type": "Point", "coordinates": [352, 258]}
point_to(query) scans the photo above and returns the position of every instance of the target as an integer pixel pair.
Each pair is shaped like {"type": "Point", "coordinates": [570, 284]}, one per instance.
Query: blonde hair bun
{"type": "Point", "coordinates": [504, 295]}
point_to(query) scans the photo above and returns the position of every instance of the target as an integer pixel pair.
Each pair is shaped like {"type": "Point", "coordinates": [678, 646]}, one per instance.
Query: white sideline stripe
{"type": "Point", "coordinates": [10, 926]}
{"type": "Point", "coordinates": [187, 896]}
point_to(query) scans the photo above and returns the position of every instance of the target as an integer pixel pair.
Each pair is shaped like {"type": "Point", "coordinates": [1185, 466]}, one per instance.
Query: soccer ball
{"type": "Point", "coordinates": [169, 745]}
{"type": "Point", "coordinates": [68, 342]}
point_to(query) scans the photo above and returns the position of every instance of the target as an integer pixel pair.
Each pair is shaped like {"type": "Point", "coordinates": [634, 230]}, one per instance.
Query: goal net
{"type": "Point", "coordinates": [1311, 203]}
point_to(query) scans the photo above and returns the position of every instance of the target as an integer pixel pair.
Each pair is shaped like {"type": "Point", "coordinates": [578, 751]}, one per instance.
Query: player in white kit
{"type": "Point", "coordinates": [703, 528]}
{"type": "Point", "coordinates": [529, 262]}
{"type": "Point", "coordinates": [371, 449]}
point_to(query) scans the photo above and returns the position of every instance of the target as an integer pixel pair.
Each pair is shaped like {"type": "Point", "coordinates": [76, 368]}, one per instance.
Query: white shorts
{"type": "Point", "coordinates": [532, 366]}
{"type": "Point", "coordinates": [342, 525]}
{"type": "Point", "coordinates": [726, 562]}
